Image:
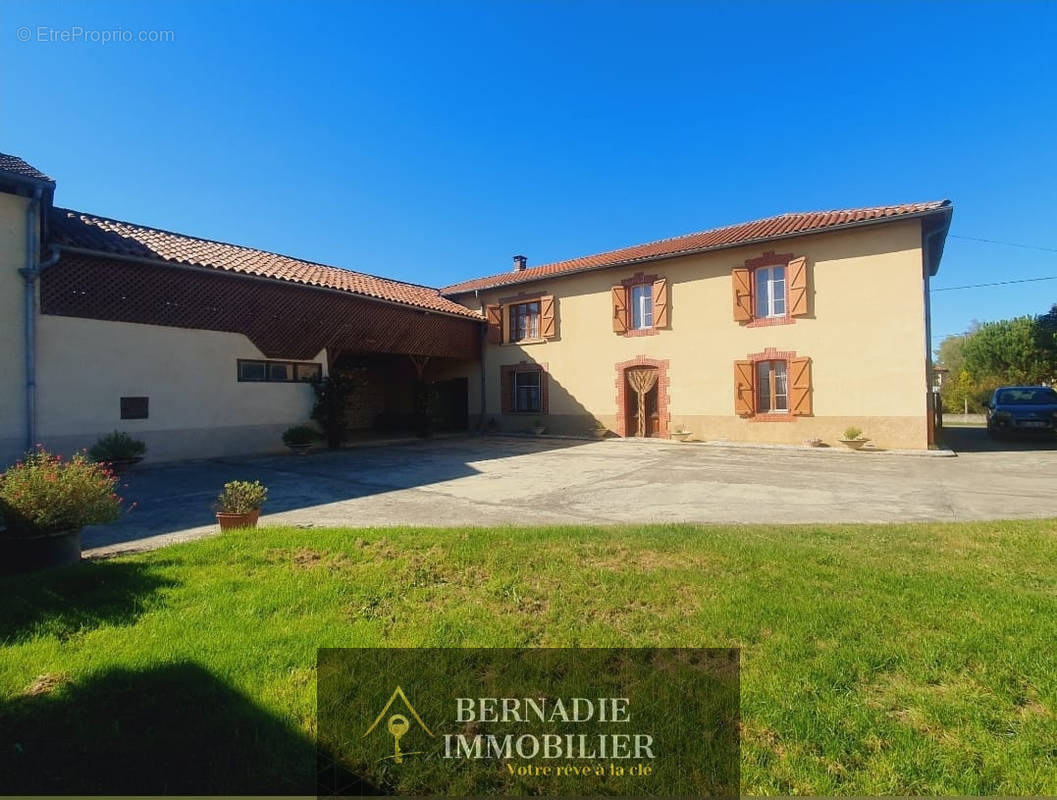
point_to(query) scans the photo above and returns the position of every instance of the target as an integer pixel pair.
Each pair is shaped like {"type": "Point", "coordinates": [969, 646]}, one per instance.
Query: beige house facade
{"type": "Point", "coordinates": [779, 331]}
{"type": "Point", "coordinates": [786, 339]}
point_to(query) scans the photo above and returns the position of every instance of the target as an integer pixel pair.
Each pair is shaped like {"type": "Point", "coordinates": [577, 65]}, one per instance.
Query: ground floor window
{"type": "Point", "coordinates": [524, 389]}
{"type": "Point", "coordinates": [772, 387]}
{"type": "Point", "coordinates": [252, 370]}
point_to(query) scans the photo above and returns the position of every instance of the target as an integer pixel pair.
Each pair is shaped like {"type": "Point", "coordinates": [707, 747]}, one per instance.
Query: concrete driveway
{"type": "Point", "coordinates": [500, 480]}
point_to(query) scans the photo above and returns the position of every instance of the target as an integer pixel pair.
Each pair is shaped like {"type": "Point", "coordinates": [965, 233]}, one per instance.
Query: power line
{"type": "Point", "coordinates": [1007, 244]}
{"type": "Point", "coordinates": [996, 283]}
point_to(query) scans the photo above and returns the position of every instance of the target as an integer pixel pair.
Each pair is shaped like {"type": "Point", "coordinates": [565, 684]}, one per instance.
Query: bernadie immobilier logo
{"type": "Point", "coordinates": [605, 750]}
{"type": "Point", "coordinates": [551, 722]}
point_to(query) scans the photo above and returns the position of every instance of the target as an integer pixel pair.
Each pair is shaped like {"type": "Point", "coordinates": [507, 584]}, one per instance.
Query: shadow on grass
{"type": "Point", "coordinates": [171, 729]}
{"type": "Point", "coordinates": [65, 601]}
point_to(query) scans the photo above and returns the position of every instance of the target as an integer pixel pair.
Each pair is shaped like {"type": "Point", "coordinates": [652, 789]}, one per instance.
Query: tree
{"type": "Point", "coordinates": [1009, 350]}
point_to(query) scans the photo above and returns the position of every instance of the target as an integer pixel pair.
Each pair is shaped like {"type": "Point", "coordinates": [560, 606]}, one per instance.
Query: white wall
{"type": "Point", "coordinates": [197, 408]}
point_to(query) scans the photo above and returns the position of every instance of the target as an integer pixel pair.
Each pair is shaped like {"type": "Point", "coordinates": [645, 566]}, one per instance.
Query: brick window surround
{"type": "Point", "coordinates": [664, 416]}
{"type": "Point", "coordinates": [638, 279]}
{"type": "Point", "coordinates": [770, 354]}
{"type": "Point", "coordinates": [770, 259]}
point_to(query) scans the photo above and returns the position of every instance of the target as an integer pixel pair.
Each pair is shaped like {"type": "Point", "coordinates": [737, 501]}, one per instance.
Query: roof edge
{"type": "Point", "coordinates": [945, 207]}
{"type": "Point", "coordinates": [471, 316]}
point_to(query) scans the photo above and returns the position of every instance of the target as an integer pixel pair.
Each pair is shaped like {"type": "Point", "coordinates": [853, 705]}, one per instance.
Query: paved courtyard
{"type": "Point", "coordinates": [501, 480]}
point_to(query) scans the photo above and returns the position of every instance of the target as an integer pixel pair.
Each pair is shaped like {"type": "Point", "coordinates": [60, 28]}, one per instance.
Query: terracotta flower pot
{"type": "Point", "coordinates": [682, 436]}
{"type": "Point", "coordinates": [600, 433]}
{"type": "Point", "coordinates": [854, 444]}
{"type": "Point", "coordinates": [31, 553]}
{"type": "Point", "coordinates": [300, 449]}
{"type": "Point", "coordinates": [231, 521]}
{"type": "Point", "coordinates": [122, 465]}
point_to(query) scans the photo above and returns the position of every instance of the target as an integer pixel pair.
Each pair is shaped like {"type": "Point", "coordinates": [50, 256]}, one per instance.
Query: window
{"type": "Point", "coordinates": [524, 321]}
{"type": "Point", "coordinates": [772, 387]}
{"type": "Point", "coordinates": [134, 407]}
{"type": "Point", "coordinates": [770, 292]}
{"type": "Point", "coordinates": [523, 388]}
{"type": "Point", "coordinates": [527, 391]}
{"type": "Point", "coordinates": [642, 306]}
{"type": "Point", "coordinates": [278, 371]}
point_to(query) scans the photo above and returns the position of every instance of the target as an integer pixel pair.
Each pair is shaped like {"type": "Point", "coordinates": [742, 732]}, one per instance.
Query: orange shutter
{"type": "Point", "coordinates": [620, 309]}
{"type": "Point", "coordinates": [797, 272]}
{"type": "Point", "coordinates": [506, 389]}
{"type": "Point", "coordinates": [660, 303]}
{"type": "Point", "coordinates": [741, 279]}
{"type": "Point", "coordinates": [800, 387]}
{"type": "Point", "coordinates": [548, 329]}
{"type": "Point", "coordinates": [744, 388]}
{"type": "Point", "coordinates": [494, 315]}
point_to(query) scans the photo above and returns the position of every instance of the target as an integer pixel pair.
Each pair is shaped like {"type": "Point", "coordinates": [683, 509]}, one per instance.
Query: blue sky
{"type": "Point", "coordinates": [431, 141]}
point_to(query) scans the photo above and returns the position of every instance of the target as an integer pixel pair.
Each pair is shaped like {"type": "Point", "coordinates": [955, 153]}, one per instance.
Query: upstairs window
{"type": "Point", "coordinates": [770, 292]}
{"type": "Point", "coordinates": [524, 321]}
{"type": "Point", "coordinates": [642, 306]}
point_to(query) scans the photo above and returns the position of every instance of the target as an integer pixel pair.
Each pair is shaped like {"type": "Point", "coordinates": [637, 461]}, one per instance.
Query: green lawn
{"type": "Point", "coordinates": [899, 659]}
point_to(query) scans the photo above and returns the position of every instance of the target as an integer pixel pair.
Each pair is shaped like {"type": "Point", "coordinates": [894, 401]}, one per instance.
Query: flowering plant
{"type": "Point", "coordinates": [44, 494]}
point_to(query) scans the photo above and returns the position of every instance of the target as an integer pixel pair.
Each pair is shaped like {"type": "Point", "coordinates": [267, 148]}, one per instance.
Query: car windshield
{"type": "Point", "coordinates": [1029, 395]}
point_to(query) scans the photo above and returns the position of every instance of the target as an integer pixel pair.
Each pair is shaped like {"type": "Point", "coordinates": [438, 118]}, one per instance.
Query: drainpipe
{"type": "Point", "coordinates": [484, 338]}
{"type": "Point", "coordinates": [30, 274]}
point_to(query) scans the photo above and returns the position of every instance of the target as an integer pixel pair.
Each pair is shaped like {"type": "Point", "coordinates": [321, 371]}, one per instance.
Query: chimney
{"type": "Point", "coordinates": [520, 262]}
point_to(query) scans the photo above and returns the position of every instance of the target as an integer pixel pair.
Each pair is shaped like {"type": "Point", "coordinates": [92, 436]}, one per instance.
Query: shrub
{"type": "Point", "coordinates": [852, 433]}
{"type": "Point", "coordinates": [241, 497]}
{"type": "Point", "coordinates": [45, 494]}
{"type": "Point", "coordinates": [300, 434]}
{"type": "Point", "coordinates": [117, 446]}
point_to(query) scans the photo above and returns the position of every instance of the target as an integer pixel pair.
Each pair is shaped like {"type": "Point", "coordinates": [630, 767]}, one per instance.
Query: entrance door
{"type": "Point", "coordinates": [641, 401]}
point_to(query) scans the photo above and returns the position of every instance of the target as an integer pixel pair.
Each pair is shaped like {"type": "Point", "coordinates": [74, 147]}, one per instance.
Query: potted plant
{"type": "Point", "coordinates": [299, 438]}
{"type": "Point", "coordinates": [599, 431]}
{"type": "Point", "coordinates": [45, 501]}
{"type": "Point", "coordinates": [239, 505]}
{"type": "Point", "coordinates": [537, 426]}
{"type": "Point", "coordinates": [853, 438]}
{"type": "Point", "coordinates": [681, 434]}
{"type": "Point", "coordinates": [119, 450]}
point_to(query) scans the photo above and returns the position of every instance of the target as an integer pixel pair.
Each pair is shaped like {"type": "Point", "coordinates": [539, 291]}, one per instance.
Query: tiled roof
{"type": "Point", "coordinates": [718, 238]}
{"type": "Point", "coordinates": [16, 166]}
{"type": "Point", "coordinates": [102, 235]}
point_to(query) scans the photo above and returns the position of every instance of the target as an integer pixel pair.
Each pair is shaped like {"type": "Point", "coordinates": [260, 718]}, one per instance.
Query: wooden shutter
{"type": "Point", "coordinates": [660, 303]}
{"type": "Point", "coordinates": [494, 315]}
{"type": "Point", "coordinates": [741, 280]}
{"type": "Point", "coordinates": [744, 388]}
{"type": "Point", "coordinates": [797, 276]}
{"type": "Point", "coordinates": [548, 328]}
{"type": "Point", "coordinates": [506, 389]}
{"type": "Point", "coordinates": [620, 309]}
{"type": "Point", "coordinates": [800, 387]}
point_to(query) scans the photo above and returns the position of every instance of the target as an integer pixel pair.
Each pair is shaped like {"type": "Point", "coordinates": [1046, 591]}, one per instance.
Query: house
{"type": "Point", "coordinates": [781, 330]}
{"type": "Point", "coordinates": [775, 331]}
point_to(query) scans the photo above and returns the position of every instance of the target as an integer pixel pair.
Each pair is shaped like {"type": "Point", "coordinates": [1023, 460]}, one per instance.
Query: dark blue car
{"type": "Point", "coordinates": [1022, 409]}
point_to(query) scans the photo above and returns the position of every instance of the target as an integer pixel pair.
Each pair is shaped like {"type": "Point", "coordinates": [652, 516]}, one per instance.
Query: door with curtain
{"type": "Point", "coordinates": [641, 398]}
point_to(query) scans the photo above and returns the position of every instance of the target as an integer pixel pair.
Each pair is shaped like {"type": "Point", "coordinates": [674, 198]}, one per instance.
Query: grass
{"type": "Point", "coordinates": [900, 659]}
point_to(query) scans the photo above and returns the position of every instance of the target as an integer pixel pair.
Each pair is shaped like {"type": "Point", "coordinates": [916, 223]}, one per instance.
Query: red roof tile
{"type": "Point", "coordinates": [16, 166]}
{"type": "Point", "coordinates": [108, 236]}
{"type": "Point", "coordinates": [762, 230]}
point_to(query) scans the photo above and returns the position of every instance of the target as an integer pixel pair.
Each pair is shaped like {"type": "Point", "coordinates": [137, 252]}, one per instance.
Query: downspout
{"type": "Point", "coordinates": [484, 338]}
{"type": "Point", "coordinates": [927, 270]}
{"type": "Point", "coordinates": [30, 274]}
